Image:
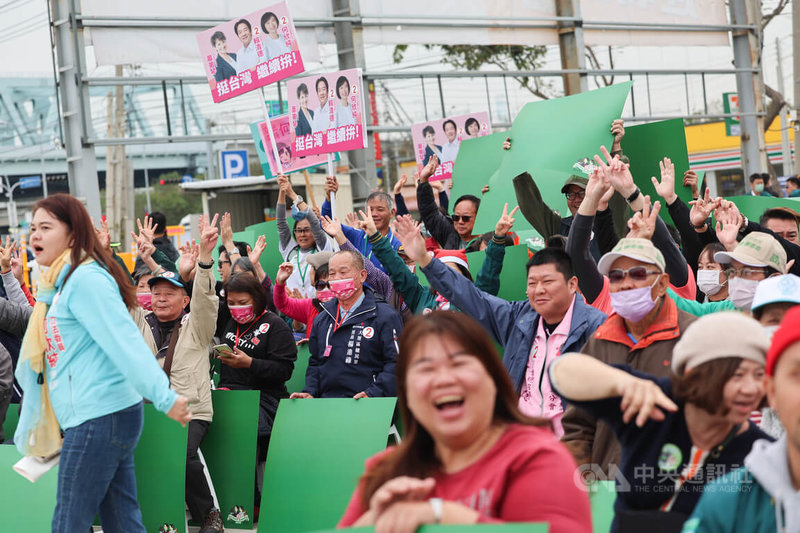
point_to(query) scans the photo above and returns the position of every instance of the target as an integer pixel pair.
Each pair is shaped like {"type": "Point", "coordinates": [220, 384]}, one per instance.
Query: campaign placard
{"type": "Point", "coordinates": [327, 113]}
{"type": "Point", "coordinates": [281, 129]}
{"type": "Point", "coordinates": [443, 137]}
{"type": "Point", "coordinates": [250, 52]}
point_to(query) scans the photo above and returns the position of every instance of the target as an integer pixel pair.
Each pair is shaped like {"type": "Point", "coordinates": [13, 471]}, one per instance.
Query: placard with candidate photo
{"type": "Point", "coordinates": [250, 52]}
{"type": "Point", "coordinates": [327, 113]}
{"type": "Point", "coordinates": [281, 129]}
{"type": "Point", "coordinates": [443, 137]}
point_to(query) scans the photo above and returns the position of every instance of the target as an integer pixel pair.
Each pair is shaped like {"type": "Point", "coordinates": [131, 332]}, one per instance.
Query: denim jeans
{"type": "Point", "coordinates": [96, 474]}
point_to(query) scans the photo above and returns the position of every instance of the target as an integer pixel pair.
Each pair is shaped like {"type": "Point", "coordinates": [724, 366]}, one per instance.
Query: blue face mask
{"type": "Point", "coordinates": [297, 214]}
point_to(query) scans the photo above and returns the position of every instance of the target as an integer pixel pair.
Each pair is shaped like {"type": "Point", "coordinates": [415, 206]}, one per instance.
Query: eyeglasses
{"type": "Point", "coordinates": [743, 272]}
{"type": "Point", "coordinates": [221, 262]}
{"type": "Point", "coordinates": [302, 230]}
{"type": "Point", "coordinates": [638, 273]}
{"type": "Point", "coordinates": [573, 195]}
{"type": "Point", "coordinates": [321, 285]}
{"type": "Point", "coordinates": [459, 218]}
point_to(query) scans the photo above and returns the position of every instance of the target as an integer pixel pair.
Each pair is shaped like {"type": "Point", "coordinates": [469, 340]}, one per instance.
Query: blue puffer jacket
{"type": "Point", "coordinates": [512, 324]}
{"type": "Point", "coordinates": [363, 351]}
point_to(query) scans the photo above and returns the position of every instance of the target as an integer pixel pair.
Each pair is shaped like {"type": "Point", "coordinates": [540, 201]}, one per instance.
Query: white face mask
{"type": "Point", "coordinates": [742, 292]}
{"type": "Point", "coordinates": [771, 331]}
{"type": "Point", "coordinates": [708, 281]}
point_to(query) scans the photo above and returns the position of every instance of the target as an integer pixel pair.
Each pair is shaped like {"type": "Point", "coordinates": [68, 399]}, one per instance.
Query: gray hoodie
{"type": "Point", "coordinates": [768, 463]}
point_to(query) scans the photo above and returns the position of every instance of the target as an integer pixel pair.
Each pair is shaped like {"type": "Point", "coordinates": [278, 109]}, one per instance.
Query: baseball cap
{"type": "Point", "coordinates": [634, 248]}
{"type": "Point", "coordinates": [757, 249]}
{"type": "Point", "coordinates": [574, 179]}
{"type": "Point", "coordinates": [172, 277]}
{"type": "Point", "coordinates": [719, 335]}
{"type": "Point", "coordinates": [787, 334]}
{"type": "Point", "coordinates": [785, 288]}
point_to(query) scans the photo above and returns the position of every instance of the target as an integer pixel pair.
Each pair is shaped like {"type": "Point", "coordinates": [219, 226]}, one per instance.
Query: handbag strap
{"type": "Point", "coordinates": [173, 342]}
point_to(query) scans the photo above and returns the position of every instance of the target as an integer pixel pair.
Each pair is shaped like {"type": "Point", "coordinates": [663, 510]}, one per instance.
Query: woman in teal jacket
{"type": "Point", "coordinates": [84, 368]}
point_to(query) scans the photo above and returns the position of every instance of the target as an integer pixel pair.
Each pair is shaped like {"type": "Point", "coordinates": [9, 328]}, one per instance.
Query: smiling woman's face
{"type": "Point", "coordinates": [449, 392]}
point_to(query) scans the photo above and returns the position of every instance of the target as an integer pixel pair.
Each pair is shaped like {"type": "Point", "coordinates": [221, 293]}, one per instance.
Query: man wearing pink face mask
{"type": "Point", "coordinates": [353, 342]}
{"type": "Point", "coordinates": [641, 333]}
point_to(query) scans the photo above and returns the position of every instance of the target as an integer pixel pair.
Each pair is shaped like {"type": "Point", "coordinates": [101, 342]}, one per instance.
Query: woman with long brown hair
{"type": "Point", "coordinates": [469, 455]}
{"type": "Point", "coordinates": [84, 369]}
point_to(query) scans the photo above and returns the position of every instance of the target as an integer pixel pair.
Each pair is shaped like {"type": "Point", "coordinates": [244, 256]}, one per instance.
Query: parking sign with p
{"type": "Point", "coordinates": [234, 164]}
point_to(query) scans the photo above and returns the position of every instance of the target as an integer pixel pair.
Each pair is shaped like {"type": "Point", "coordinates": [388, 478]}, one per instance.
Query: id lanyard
{"type": "Point", "coordinates": [302, 271]}
{"type": "Point", "coordinates": [337, 323]}
{"type": "Point", "coordinates": [253, 323]}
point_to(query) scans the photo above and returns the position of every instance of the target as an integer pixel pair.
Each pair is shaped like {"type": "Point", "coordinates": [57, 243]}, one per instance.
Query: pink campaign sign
{"type": "Point", "coordinates": [327, 113]}
{"type": "Point", "coordinates": [250, 52]}
{"type": "Point", "coordinates": [281, 129]}
{"type": "Point", "coordinates": [443, 138]}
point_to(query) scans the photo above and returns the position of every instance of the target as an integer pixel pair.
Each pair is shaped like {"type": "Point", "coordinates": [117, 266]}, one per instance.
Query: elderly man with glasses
{"type": "Point", "coordinates": [641, 333]}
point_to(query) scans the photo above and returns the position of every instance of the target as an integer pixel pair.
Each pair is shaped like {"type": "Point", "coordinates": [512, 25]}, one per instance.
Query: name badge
{"type": "Point", "coordinates": [327, 351]}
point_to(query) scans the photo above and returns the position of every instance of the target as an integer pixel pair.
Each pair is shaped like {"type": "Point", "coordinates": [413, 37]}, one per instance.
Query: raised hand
{"type": "Point", "coordinates": [507, 144]}
{"type": "Point", "coordinates": [437, 185]}
{"type": "Point", "coordinates": [284, 271]}
{"type": "Point", "coordinates": [429, 169]}
{"type": "Point", "coordinates": [255, 254]}
{"type": "Point", "coordinates": [102, 234]}
{"type": "Point", "coordinates": [666, 188]}
{"type": "Point", "coordinates": [506, 221]}
{"type": "Point", "coordinates": [331, 186]}
{"type": "Point", "coordinates": [728, 223]}
{"type": "Point", "coordinates": [702, 209]}
{"type": "Point", "coordinates": [331, 226]}
{"type": "Point", "coordinates": [352, 220]}
{"type": "Point", "coordinates": [148, 229]}
{"type": "Point", "coordinates": [145, 249]}
{"type": "Point", "coordinates": [226, 231]}
{"type": "Point", "coordinates": [188, 260]}
{"type": "Point", "coordinates": [16, 267]}
{"type": "Point", "coordinates": [618, 173]}
{"type": "Point", "coordinates": [618, 131]}
{"type": "Point", "coordinates": [484, 189]}
{"type": "Point", "coordinates": [690, 180]}
{"type": "Point", "coordinates": [400, 184]}
{"type": "Point", "coordinates": [366, 222]}
{"type": "Point", "coordinates": [208, 237]}
{"type": "Point", "coordinates": [643, 223]}
{"type": "Point", "coordinates": [6, 254]}
{"type": "Point", "coordinates": [407, 230]}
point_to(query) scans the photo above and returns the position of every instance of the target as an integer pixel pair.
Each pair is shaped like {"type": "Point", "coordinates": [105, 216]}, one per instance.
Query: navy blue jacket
{"type": "Point", "coordinates": [512, 324]}
{"type": "Point", "coordinates": [363, 351]}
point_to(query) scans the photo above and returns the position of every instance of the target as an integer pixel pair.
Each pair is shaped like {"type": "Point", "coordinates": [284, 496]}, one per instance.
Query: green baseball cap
{"type": "Point", "coordinates": [757, 249]}
{"type": "Point", "coordinates": [637, 249]}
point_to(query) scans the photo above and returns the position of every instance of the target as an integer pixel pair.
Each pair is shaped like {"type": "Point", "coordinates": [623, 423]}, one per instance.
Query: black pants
{"type": "Point", "coordinates": [198, 495]}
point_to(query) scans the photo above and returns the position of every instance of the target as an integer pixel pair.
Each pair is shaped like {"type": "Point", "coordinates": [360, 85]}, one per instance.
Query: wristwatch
{"type": "Point", "coordinates": [235, 251]}
{"type": "Point", "coordinates": [634, 195]}
{"type": "Point", "coordinates": [436, 505]}
{"type": "Point", "coordinates": [297, 200]}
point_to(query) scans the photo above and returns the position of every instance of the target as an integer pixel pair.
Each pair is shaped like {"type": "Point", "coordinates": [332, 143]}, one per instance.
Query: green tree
{"type": "Point", "coordinates": [169, 199]}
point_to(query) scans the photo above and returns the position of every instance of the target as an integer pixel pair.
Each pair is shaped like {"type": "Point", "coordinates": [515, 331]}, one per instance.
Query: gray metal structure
{"type": "Point", "coordinates": [188, 126]}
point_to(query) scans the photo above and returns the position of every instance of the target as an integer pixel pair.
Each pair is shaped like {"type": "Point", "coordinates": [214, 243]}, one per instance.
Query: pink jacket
{"type": "Point", "coordinates": [301, 309]}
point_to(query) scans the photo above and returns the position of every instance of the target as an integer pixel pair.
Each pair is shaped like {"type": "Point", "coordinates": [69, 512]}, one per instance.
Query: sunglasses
{"type": "Point", "coordinates": [638, 273]}
{"type": "Point", "coordinates": [459, 218]}
{"type": "Point", "coordinates": [321, 285]}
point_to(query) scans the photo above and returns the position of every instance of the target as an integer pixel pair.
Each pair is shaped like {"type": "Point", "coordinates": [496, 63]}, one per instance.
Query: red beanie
{"type": "Point", "coordinates": [786, 335]}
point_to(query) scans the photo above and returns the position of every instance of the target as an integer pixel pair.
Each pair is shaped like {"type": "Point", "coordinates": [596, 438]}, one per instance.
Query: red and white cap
{"type": "Point", "coordinates": [459, 257]}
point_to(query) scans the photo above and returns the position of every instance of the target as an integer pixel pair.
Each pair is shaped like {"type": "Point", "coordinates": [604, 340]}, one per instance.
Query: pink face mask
{"type": "Point", "coordinates": [242, 313]}
{"type": "Point", "coordinates": [343, 288]}
{"type": "Point", "coordinates": [145, 300]}
{"type": "Point", "coordinates": [442, 303]}
{"type": "Point", "coordinates": [325, 295]}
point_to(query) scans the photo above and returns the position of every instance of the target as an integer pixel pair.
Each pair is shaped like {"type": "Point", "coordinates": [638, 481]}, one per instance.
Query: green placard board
{"type": "Point", "coordinates": [25, 506]}
{"type": "Point", "coordinates": [602, 495]}
{"type": "Point", "coordinates": [297, 382]}
{"type": "Point", "coordinates": [271, 258]}
{"type": "Point", "coordinates": [316, 456]}
{"type": "Point", "coordinates": [230, 453]}
{"type": "Point", "coordinates": [160, 461]}
{"type": "Point", "coordinates": [513, 278]}
{"type": "Point", "coordinates": [477, 160]}
{"type": "Point", "coordinates": [477, 528]}
{"type": "Point", "coordinates": [548, 137]}
{"type": "Point", "coordinates": [10, 423]}
{"type": "Point", "coordinates": [648, 144]}
{"type": "Point", "coordinates": [753, 206]}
